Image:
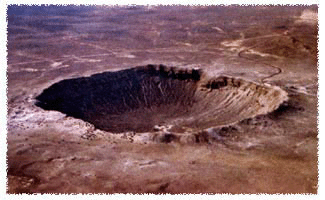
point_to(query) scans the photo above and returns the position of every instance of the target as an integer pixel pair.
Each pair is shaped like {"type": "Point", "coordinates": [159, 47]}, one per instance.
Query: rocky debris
{"type": "Point", "coordinates": [261, 120]}
{"type": "Point", "coordinates": [20, 184]}
{"type": "Point", "coordinates": [163, 128]}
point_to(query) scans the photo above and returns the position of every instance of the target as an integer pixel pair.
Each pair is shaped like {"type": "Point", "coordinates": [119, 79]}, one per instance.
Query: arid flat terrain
{"type": "Point", "coordinates": [162, 99]}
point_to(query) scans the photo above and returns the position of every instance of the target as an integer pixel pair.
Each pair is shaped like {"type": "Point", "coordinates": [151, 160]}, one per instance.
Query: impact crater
{"type": "Point", "coordinates": [142, 98]}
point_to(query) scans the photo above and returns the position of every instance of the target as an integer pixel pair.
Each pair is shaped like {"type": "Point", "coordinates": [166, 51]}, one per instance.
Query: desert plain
{"type": "Point", "coordinates": [162, 99]}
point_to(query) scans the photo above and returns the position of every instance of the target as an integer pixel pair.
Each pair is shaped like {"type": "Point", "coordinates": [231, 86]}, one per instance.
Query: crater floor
{"type": "Point", "coordinates": [224, 99]}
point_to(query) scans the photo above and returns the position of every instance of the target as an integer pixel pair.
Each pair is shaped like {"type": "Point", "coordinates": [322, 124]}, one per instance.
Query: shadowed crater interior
{"type": "Point", "coordinates": [139, 98]}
